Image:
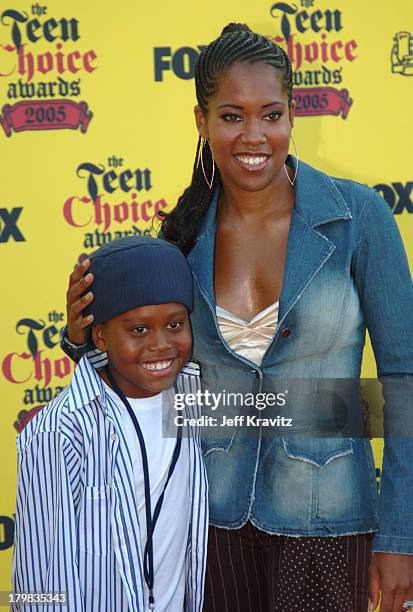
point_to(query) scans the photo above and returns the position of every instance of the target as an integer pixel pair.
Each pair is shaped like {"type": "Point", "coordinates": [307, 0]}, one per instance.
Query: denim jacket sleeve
{"type": "Point", "coordinates": [385, 287]}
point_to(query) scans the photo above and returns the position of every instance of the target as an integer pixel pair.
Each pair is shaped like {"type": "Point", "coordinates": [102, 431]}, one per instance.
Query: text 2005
{"type": "Point", "coordinates": [311, 101]}
{"type": "Point", "coordinates": [45, 114]}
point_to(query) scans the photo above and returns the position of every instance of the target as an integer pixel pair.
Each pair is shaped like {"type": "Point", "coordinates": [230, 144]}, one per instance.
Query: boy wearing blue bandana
{"type": "Point", "coordinates": [109, 512]}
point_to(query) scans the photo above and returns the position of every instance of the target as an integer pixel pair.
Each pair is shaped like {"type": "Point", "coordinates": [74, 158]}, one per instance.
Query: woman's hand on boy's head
{"type": "Point", "coordinates": [75, 304]}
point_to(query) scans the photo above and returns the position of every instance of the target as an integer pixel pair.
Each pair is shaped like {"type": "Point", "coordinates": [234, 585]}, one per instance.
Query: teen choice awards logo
{"type": "Point", "coordinates": [44, 65]}
{"type": "Point", "coordinates": [36, 365]}
{"type": "Point", "coordinates": [318, 52]}
{"type": "Point", "coordinates": [112, 202]}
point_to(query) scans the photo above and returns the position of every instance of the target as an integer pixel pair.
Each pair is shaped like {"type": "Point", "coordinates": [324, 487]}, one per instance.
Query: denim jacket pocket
{"type": "Point", "coordinates": [94, 511]}
{"type": "Point", "coordinates": [317, 451]}
{"type": "Point", "coordinates": [210, 444]}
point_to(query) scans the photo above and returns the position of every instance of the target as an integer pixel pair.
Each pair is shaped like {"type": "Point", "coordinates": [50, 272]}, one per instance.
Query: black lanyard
{"type": "Point", "coordinates": [150, 520]}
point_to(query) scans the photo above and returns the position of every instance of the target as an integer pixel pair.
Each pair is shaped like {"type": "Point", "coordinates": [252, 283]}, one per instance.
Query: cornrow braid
{"type": "Point", "coordinates": [237, 43]}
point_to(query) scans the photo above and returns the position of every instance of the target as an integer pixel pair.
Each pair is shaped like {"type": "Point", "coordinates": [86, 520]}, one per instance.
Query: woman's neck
{"type": "Point", "coordinates": [250, 205]}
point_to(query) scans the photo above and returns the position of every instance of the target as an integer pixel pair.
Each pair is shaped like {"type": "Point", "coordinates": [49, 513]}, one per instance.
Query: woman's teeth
{"type": "Point", "coordinates": [251, 161]}
{"type": "Point", "coordinates": [156, 365]}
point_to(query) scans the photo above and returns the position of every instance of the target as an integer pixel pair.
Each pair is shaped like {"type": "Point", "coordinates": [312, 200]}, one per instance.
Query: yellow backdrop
{"type": "Point", "coordinates": [97, 98]}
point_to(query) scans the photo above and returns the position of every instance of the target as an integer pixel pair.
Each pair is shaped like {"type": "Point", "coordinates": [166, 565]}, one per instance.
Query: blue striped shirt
{"type": "Point", "coordinates": [77, 527]}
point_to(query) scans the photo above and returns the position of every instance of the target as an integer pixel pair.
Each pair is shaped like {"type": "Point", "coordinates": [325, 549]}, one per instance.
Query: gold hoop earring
{"type": "Point", "coordinates": [203, 143]}
{"type": "Point", "coordinates": [296, 167]}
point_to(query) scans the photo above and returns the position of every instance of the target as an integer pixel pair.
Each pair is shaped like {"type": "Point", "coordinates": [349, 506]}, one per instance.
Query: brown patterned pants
{"type": "Point", "coordinates": [249, 570]}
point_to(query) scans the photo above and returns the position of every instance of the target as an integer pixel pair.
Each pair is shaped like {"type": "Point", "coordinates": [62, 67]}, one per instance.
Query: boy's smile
{"type": "Point", "coordinates": [147, 347]}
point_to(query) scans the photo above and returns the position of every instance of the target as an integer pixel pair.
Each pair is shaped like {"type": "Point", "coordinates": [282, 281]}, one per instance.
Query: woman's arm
{"type": "Point", "coordinates": [73, 340]}
{"type": "Point", "coordinates": [76, 302]}
{"type": "Point", "coordinates": [384, 283]}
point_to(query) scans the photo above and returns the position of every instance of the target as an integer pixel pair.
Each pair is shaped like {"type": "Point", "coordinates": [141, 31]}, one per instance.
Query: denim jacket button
{"type": "Point", "coordinates": [286, 332]}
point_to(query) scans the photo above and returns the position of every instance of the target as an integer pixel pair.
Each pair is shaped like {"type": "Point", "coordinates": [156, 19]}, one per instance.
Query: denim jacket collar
{"type": "Point", "coordinates": [317, 201]}
{"type": "Point", "coordinates": [317, 198]}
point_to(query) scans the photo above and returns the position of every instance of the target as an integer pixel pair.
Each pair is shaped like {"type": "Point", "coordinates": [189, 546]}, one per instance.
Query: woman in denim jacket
{"type": "Point", "coordinates": [291, 266]}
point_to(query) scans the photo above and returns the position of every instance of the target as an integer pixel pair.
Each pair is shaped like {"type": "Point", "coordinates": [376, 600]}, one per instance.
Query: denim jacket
{"type": "Point", "coordinates": [346, 270]}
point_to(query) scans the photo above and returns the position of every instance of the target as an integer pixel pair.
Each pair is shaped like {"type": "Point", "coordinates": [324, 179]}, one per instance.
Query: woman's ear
{"type": "Point", "coordinates": [201, 122]}
{"type": "Point", "coordinates": [98, 337]}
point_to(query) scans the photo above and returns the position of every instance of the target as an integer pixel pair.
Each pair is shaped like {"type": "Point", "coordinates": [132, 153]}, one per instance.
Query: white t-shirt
{"type": "Point", "coordinates": [171, 532]}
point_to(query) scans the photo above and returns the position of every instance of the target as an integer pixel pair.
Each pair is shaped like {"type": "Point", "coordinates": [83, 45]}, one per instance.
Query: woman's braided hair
{"type": "Point", "coordinates": [237, 43]}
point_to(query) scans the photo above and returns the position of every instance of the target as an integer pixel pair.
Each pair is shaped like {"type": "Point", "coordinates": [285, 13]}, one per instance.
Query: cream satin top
{"type": "Point", "coordinates": [249, 338]}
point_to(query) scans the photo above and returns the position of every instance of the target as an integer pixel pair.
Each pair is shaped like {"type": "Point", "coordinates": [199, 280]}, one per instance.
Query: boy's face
{"type": "Point", "coordinates": [146, 347]}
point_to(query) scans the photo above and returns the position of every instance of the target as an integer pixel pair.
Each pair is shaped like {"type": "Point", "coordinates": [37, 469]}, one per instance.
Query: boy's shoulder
{"type": "Point", "coordinates": [189, 378]}
{"type": "Point", "coordinates": [47, 420]}
{"type": "Point", "coordinates": [59, 415]}
{"type": "Point", "coordinates": [191, 368]}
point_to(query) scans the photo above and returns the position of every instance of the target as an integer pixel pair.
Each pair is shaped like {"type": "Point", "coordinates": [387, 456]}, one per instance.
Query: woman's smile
{"type": "Point", "coordinates": [251, 162]}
